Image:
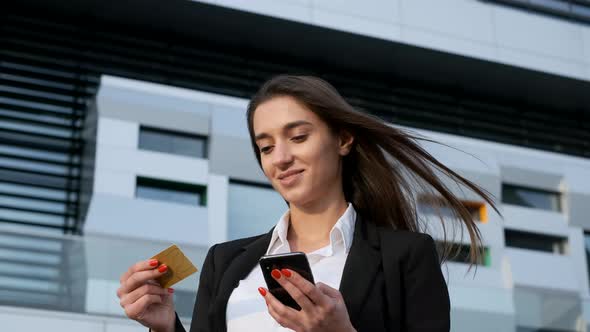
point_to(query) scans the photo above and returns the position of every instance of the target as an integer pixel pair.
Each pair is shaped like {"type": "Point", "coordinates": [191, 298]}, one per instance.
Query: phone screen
{"type": "Point", "coordinates": [296, 261]}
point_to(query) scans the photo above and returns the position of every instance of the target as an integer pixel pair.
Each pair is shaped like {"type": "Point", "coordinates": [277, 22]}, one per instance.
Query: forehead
{"type": "Point", "coordinates": [276, 112]}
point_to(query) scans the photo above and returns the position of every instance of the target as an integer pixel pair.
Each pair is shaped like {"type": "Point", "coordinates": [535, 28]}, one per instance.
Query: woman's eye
{"type": "Point", "coordinates": [265, 149]}
{"type": "Point", "coordinates": [299, 138]}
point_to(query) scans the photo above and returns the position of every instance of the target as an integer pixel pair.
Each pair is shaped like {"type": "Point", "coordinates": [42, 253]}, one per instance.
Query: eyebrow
{"type": "Point", "coordinates": [286, 127]}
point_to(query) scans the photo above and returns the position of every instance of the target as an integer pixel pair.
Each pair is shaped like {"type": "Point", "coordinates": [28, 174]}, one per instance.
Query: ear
{"type": "Point", "coordinates": [345, 142]}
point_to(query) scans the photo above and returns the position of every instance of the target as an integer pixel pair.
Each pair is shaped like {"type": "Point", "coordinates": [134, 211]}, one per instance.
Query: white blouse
{"type": "Point", "coordinates": [246, 308]}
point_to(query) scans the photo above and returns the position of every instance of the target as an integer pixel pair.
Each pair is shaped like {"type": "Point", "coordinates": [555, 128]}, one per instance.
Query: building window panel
{"type": "Point", "coordinates": [431, 205]}
{"type": "Point", "coordinates": [463, 256]}
{"type": "Point", "coordinates": [558, 5]}
{"type": "Point", "coordinates": [587, 245]}
{"type": "Point", "coordinates": [576, 10]}
{"type": "Point", "coordinates": [529, 197]}
{"type": "Point", "coordinates": [169, 191]}
{"type": "Point", "coordinates": [172, 142]}
{"type": "Point", "coordinates": [534, 241]}
{"type": "Point", "coordinates": [32, 204]}
{"type": "Point", "coordinates": [42, 193]}
{"type": "Point", "coordinates": [30, 217]}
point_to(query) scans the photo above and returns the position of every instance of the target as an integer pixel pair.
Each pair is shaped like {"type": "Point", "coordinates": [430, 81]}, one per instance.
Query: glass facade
{"type": "Point", "coordinates": [529, 197]}
{"type": "Point", "coordinates": [435, 206]}
{"type": "Point", "coordinates": [463, 254]}
{"type": "Point", "coordinates": [172, 142]}
{"type": "Point", "coordinates": [535, 241]}
{"type": "Point", "coordinates": [79, 274]}
{"type": "Point", "coordinates": [578, 10]}
{"type": "Point", "coordinates": [169, 191]}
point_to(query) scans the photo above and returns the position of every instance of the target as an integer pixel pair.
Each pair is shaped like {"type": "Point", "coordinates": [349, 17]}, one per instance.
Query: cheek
{"type": "Point", "coordinates": [326, 162]}
{"type": "Point", "coordinates": [266, 167]}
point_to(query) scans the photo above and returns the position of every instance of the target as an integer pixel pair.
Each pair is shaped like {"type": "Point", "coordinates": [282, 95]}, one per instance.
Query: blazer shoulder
{"type": "Point", "coordinates": [405, 241]}
{"type": "Point", "coordinates": [229, 248]}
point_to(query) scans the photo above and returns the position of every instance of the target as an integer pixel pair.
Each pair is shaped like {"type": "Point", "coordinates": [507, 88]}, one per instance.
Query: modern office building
{"type": "Point", "coordinates": [122, 131]}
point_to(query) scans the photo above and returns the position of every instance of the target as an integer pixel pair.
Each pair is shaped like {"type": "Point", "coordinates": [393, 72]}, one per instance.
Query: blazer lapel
{"type": "Point", "coordinates": [361, 267]}
{"type": "Point", "coordinates": [239, 268]}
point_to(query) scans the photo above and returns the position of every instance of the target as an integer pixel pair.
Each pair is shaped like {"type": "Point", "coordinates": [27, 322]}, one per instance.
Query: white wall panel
{"type": "Point", "coordinates": [466, 19]}
{"type": "Point", "coordinates": [376, 10]}
{"type": "Point", "coordinates": [116, 132]}
{"type": "Point", "coordinates": [147, 219]}
{"type": "Point", "coordinates": [518, 29]}
{"type": "Point", "coordinates": [356, 24]}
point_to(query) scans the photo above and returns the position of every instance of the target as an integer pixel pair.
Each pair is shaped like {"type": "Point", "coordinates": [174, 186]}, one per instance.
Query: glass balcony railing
{"type": "Point", "coordinates": [80, 274]}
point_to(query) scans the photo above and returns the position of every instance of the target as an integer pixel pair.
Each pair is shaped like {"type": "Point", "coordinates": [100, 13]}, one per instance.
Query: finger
{"type": "Point", "coordinates": [135, 310]}
{"type": "Point", "coordinates": [283, 322]}
{"type": "Point", "coordinates": [307, 288]}
{"type": "Point", "coordinates": [329, 291]}
{"type": "Point", "coordinates": [284, 315]}
{"type": "Point", "coordinates": [283, 279]}
{"type": "Point", "coordinates": [141, 291]}
{"type": "Point", "coordinates": [169, 298]}
{"type": "Point", "coordinates": [139, 266]}
{"type": "Point", "coordinates": [137, 279]}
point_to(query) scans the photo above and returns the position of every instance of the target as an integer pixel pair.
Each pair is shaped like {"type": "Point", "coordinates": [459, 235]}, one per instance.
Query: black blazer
{"type": "Point", "coordinates": [414, 298]}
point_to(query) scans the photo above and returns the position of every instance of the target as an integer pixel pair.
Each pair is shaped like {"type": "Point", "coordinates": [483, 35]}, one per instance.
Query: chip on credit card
{"type": "Point", "coordinates": [179, 266]}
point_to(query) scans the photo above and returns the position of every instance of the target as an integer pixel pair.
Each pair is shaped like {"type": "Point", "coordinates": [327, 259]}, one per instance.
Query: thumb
{"type": "Point", "coordinates": [329, 291]}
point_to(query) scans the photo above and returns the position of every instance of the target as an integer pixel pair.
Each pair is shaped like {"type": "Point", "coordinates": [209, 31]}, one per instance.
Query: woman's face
{"type": "Point", "coordinates": [299, 153]}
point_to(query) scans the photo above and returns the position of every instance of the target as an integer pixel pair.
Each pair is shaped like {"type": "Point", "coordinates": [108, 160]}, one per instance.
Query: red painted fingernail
{"type": "Point", "coordinates": [163, 268]}
{"type": "Point", "coordinates": [153, 262]}
{"type": "Point", "coordinates": [170, 290]}
{"type": "Point", "coordinates": [286, 273]}
{"type": "Point", "coordinates": [262, 291]}
{"type": "Point", "coordinates": [276, 274]}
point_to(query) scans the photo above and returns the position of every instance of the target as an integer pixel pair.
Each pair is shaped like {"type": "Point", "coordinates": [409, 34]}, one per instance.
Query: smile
{"type": "Point", "coordinates": [291, 179]}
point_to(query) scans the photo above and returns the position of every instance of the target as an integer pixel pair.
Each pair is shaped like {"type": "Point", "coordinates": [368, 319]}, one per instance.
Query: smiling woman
{"type": "Point", "coordinates": [351, 183]}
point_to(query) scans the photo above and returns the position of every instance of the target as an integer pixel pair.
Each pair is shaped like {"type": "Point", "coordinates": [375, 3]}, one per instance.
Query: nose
{"type": "Point", "coordinates": [282, 156]}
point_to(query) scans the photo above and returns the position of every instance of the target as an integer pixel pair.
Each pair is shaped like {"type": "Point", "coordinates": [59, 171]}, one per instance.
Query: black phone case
{"type": "Point", "coordinates": [296, 261]}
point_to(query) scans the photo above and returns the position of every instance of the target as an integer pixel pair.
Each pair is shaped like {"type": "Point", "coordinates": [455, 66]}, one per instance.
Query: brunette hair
{"type": "Point", "coordinates": [386, 170]}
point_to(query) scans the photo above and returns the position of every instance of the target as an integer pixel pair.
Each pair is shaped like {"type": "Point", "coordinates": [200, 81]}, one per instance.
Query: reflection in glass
{"type": "Point", "coordinates": [533, 198]}
{"type": "Point", "coordinates": [169, 191]}
{"type": "Point", "coordinates": [79, 274]}
{"type": "Point", "coordinates": [172, 142]}
{"type": "Point", "coordinates": [535, 241]}
{"type": "Point", "coordinates": [431, 205]}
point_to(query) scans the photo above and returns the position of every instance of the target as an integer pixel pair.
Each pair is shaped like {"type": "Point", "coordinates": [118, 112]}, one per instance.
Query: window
{"type": "Point", "coordinates": [169, 191]}
{"type": "Point", "coordinates": [574, 10]}
{"type": "Point", "coordinates": [172, 142]}
{"type": "Point", "coordinates": [535, 241]}
{"type": "Point", "coordinates": [536, 329]}
{"type": "Point", "coordinates": [463, 254]}
{"type": "Point", "coordinates": [253, 208]}
{"type": "Point", "coordinates": [431, 205]}
{"type": "Point", "coordinates": [587, 246]}
{"type": "Point", "coordinates": [529, 197]}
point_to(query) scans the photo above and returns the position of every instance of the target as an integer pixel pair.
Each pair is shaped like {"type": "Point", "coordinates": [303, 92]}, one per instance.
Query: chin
{"type": "Point", "coordinates": [297, 199]}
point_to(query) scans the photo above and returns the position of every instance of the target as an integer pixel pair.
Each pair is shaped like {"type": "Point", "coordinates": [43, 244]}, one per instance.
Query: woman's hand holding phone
{"type": "Point", "coordinates": [144, 300]}
{"type": "Point", "coordinates": [322, 307]}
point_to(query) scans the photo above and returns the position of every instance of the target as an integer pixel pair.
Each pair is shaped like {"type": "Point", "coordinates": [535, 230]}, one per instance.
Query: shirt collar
{"type": "Point", "coordinates": [340, 236]}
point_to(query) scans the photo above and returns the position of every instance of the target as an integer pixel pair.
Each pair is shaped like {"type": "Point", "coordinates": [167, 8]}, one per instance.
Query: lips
{"type": "Point", "coordinates": [289, 179]}
{"type": "Point", "coordinates": [289, 173]}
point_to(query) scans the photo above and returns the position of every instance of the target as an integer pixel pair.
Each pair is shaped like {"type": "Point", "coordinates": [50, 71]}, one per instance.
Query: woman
{"type": "Point", "coordinates": [351, 183]}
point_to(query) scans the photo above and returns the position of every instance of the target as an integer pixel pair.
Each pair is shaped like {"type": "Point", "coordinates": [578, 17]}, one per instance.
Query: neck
{"type": "Point", "coordinates": [310, 226]}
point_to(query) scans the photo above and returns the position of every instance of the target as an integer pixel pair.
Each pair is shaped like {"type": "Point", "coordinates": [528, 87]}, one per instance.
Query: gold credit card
{"type": "Point", "coordinates": [179, 266]}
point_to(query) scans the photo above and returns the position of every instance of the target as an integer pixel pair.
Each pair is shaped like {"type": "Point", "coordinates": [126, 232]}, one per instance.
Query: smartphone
{"type": "Point", "coordinates": [296, 261]}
